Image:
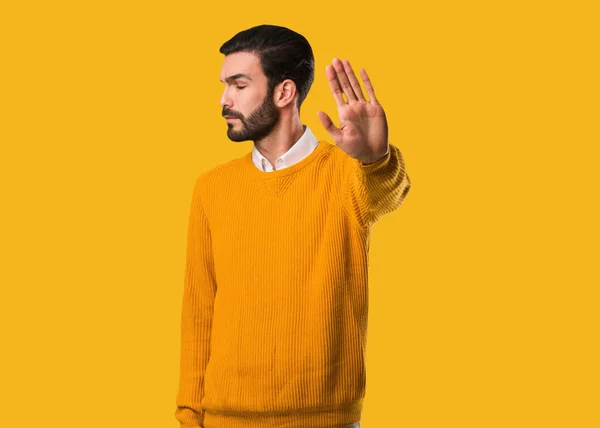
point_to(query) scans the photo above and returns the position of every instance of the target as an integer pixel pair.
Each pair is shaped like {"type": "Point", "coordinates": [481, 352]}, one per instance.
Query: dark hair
{"type": "Point", "coordinates": [284, 54]}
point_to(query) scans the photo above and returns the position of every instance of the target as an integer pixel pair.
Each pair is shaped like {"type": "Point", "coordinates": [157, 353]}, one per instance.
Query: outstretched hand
{"type": "Point", "coordinates": [363, 131]}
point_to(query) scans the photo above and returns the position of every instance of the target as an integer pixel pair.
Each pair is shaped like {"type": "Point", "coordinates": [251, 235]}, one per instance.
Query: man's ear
{"type": "Point", "coordinates": [285, 93]}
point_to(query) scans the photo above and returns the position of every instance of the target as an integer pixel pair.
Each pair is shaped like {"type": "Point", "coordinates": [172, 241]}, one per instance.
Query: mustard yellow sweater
{"type": "Point", "coordinates": [275, 298]}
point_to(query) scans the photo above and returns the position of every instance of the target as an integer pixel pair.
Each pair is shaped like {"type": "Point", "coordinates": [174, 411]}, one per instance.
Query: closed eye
{"type": "Point", "coordinates": [240, 87]}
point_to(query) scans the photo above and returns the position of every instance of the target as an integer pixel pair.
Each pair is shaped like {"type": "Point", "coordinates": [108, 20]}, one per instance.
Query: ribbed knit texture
{"type": "Point", "coordinates": [275, 300]}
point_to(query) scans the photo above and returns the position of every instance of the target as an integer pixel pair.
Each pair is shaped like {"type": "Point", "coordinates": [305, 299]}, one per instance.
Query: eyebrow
{"type": "Point", "coordinates": [236, 76]}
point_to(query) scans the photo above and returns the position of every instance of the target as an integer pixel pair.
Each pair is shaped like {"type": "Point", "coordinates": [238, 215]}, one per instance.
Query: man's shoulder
{"type": "Point", "coordinates": [341, 159]}
{"type": "Point", "coordinates": [221, 170]}
{"type": "Point", "coordinates": [336, 150]}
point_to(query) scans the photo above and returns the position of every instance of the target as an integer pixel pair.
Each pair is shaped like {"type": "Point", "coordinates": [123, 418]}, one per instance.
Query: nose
{"type": "Point", "coordinates": [225, 99]}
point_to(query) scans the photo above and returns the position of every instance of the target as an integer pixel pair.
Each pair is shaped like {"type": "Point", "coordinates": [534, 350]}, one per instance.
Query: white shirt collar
{"type": "Point", "coordinates": [302, 148]}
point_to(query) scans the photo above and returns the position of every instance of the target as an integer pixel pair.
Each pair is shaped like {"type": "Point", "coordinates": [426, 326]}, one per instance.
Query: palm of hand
{"type": "Point", "coordinates": [363, 131]}
{"type": "Point", "coordinates": [363, 128]}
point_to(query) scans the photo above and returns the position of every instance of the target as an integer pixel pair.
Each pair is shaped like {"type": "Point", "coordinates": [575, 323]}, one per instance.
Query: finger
{"type": "Point", "coordinates": [334, 85]}
{"type": "Point", "coordinates": [368, 86]}
{"type": "Point", "coordinates": [353, 80]}
{"type": "Point", "coordinates": [335, 133]}
{"type": "Point", "coordinates": [343, 78]}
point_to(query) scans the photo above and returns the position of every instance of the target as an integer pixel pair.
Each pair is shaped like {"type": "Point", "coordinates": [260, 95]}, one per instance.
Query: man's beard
{"type": "Point", "coordinates": [258, 124]}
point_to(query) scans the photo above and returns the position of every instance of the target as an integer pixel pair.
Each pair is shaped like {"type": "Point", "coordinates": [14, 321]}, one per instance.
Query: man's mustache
{"type": "Point", "coordinates": [230, 114]}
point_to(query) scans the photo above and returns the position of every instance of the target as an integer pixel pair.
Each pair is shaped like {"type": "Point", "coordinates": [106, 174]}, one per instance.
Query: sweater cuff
{"type": "Point", "coordinates": [378, 164]}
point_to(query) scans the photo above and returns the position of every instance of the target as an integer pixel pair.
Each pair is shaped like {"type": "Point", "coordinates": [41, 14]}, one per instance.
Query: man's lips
{"type": "Point", "coordinates": [230, 118]}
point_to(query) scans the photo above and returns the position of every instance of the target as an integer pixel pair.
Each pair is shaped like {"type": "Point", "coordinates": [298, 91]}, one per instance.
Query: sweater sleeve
{"type": "Point", "coordinates": [199, 289]}
{"type": "Point", "coordinates": [373, 190]}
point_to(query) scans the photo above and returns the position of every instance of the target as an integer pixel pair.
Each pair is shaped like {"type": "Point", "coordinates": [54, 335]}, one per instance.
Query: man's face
{"type": "Point", "coordinates": [247, 104]}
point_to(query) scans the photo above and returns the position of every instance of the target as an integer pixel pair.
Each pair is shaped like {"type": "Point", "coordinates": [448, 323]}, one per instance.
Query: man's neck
{"type": "Point", "coordinates": [284, 135]}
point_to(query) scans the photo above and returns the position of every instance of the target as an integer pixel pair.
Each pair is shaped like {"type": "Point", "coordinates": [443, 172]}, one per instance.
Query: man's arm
{"type": "Point", "coordinates": [375, 189]}
{"type": "Point", "coordinates": [374, 183]}
{"type": "Point", "coordinates": [196, 316]}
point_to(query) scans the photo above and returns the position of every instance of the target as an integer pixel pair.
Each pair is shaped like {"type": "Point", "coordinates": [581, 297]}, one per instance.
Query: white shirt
{"type": "Point", "coordinates": [301, 149]}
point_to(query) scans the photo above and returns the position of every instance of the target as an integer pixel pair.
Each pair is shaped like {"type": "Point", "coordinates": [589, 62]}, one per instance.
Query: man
{"type": "Point", "coordinates": [274, 314]}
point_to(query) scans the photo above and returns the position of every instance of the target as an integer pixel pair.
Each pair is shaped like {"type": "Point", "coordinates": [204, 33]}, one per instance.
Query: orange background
{"type": "Point", "coordinates": [484, 285]}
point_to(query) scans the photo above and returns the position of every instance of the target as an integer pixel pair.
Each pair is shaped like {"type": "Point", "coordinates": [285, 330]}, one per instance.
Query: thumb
{"type": "Point", "coordinates": [335, 133]}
